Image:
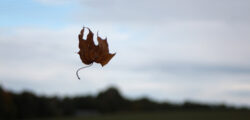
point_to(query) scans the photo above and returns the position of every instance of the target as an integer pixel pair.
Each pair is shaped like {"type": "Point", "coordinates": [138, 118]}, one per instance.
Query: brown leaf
{"type": "Point", "coordinates": [89, 52]}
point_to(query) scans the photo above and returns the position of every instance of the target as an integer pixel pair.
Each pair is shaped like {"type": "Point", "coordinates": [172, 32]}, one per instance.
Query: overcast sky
{"type": "Point", "coordinates": [171, 50]}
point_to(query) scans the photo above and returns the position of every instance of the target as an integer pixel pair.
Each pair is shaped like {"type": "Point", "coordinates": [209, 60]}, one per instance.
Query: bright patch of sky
{"type": "Point", "coordinates": [20, 13]}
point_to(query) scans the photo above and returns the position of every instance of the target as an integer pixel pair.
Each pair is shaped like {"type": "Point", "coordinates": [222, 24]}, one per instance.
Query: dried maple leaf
{"type": "Point", "coordinates": [89, 52]}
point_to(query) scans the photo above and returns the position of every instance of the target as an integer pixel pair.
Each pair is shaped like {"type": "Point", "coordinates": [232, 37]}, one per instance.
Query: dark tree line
{"type": "Point", "coordinates": [28, 105]}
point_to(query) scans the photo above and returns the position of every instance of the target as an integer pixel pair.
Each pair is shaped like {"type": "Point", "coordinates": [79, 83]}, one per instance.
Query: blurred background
{"type": "Point", "coordinates": [169, 53]}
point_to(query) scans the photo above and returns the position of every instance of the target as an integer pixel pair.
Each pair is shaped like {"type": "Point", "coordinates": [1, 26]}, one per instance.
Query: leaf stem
{"type": "Point", "coordinates": [82, 68]}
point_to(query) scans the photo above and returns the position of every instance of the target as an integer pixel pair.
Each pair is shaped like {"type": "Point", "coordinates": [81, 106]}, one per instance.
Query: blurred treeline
{"type": "Point", "coordinates": [29, 105]}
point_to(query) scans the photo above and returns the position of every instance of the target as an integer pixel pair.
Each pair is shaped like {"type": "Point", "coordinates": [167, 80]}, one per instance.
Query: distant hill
{"type": "Point", "coordinates": [29, 105]}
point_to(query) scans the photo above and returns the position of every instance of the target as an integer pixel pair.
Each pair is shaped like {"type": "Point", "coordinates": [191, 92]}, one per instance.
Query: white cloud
{"type": "Point", "coordinates": [53, 2]}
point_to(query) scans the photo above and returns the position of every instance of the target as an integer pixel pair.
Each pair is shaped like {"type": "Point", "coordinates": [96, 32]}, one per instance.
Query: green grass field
{"type": "Point", "coordinates": [173, 115]}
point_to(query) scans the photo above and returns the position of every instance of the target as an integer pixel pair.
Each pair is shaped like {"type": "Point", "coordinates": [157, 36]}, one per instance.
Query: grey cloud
{"type": "Point", "coordinates": [165, 10]}
{"type": "Point", "coordinates": [194, 68]}
{"type": "Point", "coordinates": [239, 93]}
